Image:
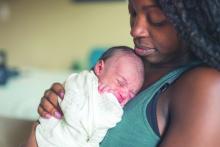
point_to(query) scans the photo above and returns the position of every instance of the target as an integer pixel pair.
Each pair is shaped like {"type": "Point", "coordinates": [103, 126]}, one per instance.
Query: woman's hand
{"type": "Point", "coordinates": [49, 102]}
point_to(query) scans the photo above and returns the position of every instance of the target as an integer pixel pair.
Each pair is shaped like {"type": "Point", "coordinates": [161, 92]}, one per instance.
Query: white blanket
{"type": "Point", "coordinates": [87, 115]}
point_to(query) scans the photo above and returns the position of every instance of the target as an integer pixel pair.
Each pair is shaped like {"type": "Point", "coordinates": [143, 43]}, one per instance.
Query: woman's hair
{"type": "Point", "coordinates": [198, 23]}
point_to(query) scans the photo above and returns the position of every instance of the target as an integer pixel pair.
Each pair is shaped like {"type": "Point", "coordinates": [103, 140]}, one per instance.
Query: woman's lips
{"type": "Point", "coordinates": [144, 51]}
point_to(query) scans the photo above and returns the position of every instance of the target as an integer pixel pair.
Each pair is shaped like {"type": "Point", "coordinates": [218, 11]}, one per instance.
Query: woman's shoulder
{"type": "Point", "coordinates": [194, 104]}
{"type": "Point", "coordinates": [200, 83]}
{"type": "Point", "coordinates": [200, 76]}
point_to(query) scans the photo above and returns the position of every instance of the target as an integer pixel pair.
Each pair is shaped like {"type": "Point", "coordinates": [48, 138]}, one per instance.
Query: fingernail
{"type": "Point", "coordinates": [57, 115]}
{"type": "Point", "coordinates": [62, 94]}
{"type": "Point", "coordinates": [48, 116]}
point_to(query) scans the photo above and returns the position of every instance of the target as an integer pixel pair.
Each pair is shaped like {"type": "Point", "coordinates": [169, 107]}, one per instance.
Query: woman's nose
{"type": "Point", "coordinates": [139, 27]}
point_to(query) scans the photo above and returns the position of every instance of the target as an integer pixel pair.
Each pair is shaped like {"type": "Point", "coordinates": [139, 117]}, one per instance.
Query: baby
{"type": "Point", "coordinates": [93, 101]}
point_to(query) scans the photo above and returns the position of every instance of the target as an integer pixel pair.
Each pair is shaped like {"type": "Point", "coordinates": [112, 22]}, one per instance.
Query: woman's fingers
{"type": "Point", "coordinates": [52, 97]}
{"type": "Point", "coordinates": [49, 105]}
{"type": "Point", "coordinates": [43, 113]}
{"type": "Point", "coordinates": [58, 89]}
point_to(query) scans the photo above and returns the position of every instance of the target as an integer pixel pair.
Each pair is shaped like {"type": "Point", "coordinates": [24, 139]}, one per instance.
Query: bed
{"type": "Point", "coordinates": [19, 101]}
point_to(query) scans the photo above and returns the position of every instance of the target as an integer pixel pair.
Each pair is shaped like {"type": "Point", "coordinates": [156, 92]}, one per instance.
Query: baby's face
{"type": "Point", "coordinates": [122, 76]}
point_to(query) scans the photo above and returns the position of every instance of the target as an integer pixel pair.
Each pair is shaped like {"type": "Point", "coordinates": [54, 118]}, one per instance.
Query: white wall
{"type": "Point", "coordinates": [53, 33]}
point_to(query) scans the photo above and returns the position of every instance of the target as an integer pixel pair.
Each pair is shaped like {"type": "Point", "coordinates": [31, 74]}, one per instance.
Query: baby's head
{"type": "Point", "coordinates": [121, 72]}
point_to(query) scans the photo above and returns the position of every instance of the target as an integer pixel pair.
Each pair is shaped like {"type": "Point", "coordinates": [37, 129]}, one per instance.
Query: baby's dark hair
{"type": "Point", "coordinates": [111, 51]}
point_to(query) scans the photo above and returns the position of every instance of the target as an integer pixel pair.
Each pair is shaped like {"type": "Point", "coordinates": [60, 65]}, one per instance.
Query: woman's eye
{"type": "Point", "coordinates": [156, 18]}
{"type": "Point", "coordinates": [158, 23]}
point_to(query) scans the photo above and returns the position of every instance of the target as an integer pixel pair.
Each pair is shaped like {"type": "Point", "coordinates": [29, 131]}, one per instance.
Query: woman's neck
{"type": "Point", "coordinates": [153, 72]}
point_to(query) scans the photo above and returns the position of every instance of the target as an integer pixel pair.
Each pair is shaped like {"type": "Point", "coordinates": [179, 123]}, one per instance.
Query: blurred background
{"type": "Point", "coordinates": [43, 41]}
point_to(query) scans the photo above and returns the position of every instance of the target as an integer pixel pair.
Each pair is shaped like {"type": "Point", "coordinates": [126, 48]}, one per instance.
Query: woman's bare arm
{"type": "Point", "coordinates": [194, 111]}
{"type": "Point", "coordinates": [31, 142]}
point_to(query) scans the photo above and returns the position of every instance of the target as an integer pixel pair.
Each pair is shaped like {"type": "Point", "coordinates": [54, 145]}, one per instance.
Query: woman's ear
{"type": "Point", "coordinates": [99, 67]}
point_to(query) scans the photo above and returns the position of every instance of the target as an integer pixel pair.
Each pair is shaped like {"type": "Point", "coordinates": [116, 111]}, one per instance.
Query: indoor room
{"type": "Point", "coordinates": [109, 73]}
{"type": "Point", "coordinates": [42, 42]}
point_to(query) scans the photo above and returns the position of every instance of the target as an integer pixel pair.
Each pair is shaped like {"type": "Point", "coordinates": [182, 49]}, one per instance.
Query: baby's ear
{"type": "Point", "coordinates": [99, 67]}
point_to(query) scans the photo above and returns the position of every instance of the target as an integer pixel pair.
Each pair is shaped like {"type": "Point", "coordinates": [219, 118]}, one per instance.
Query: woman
{"type": "Point", "coordinates": [179, 104]}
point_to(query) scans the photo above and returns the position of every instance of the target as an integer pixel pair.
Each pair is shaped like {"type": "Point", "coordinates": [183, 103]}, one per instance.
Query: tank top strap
{"type": "Point", "coordinates": [151, 110]}
{"type": "Point", "coordinates": [164, 82]}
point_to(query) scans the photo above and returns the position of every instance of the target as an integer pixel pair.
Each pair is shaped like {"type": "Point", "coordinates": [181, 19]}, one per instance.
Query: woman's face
{"type": "Point", "coordinates": [154, 36]}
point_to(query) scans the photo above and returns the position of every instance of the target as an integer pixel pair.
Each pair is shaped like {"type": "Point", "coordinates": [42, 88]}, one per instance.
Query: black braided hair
{"type": "Point", "coordinates": [198, 23]}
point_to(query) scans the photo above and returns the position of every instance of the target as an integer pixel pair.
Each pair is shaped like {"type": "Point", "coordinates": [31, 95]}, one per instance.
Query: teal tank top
{"type": "Point", "coordinates": [134, 129]}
